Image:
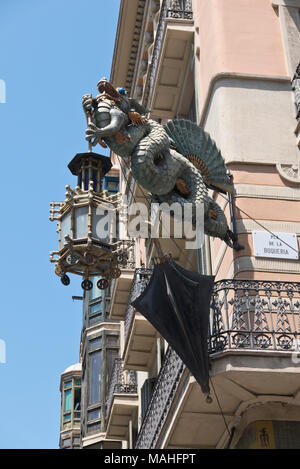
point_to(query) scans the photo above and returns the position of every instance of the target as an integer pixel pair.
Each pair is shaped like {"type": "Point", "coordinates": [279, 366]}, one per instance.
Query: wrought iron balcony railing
{"type": "Point", "coordinates": [251, 315]}
{"type": "Point", "coordinates": [140, 281]}
{"type": "Point", "coordinates": [164, 391]}
{"type": "Point", "coordinates": [126, 259]}
{"type": "Point", "coordinates": [121, 382]}
{"type": "Point", "coordinates": [180, 9]}
{"type": "Point", "coordinates": [255, 315]}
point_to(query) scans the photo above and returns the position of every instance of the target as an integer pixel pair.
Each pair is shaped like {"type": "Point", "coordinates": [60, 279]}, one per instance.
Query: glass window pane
{"type": "Point", "coordinates": [112, 340]}
{"type": "Point", "coordinates": [67, 418]}
{"type": "Point", "coordinates": [94, 414]}
{"type": "Point", "coordinates": [77, 398]}
{"type": "Point", "coordinates": [86, 179]}
{"type": "Point", "coordinates": [68, 384]}
{"type": "Point", "coordinates": [95, 292]}
{"type": "Point", "coordinates": [94, 179]}
{"type": "Point", "coordinates": [111, 184]}
{"type": "Point", "coordinates": [95, 343]}
{"type": "Point", "coordinates": [68, 396]}
{"type": "Point", "coordinates": [95, 308]}
{"type": "Point", "coordinates": [66, 442]}
{"type": "Point", "coordinates": [95, 377]}
{"type": "Point", "coordinates": [77, 382]}
{"type": "Point", "coordinates": [95, 319]}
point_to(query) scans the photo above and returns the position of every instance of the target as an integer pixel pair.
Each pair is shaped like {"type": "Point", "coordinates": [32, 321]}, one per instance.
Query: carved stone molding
{"type": "Point", "coordinates": [290, 172]}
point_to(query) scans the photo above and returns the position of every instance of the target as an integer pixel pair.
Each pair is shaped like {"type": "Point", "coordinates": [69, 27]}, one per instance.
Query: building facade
{"type": "Point", "coordinates": [233, 68]}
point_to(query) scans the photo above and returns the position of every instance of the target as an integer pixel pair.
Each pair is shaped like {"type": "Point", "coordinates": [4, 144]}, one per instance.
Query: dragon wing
{"type": "Point", "coordinates": [197, 146]}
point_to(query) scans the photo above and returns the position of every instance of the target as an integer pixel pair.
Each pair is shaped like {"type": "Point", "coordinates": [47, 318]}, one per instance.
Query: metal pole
{"type": "Point", "coordinates": [89, 121]}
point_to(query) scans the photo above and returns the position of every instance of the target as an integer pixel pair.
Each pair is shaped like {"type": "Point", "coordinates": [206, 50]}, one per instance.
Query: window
{"type": "Point", "coordinates": [94, 414]}
{"type": "Point", "coordinates": [77, 398]}
{"type": "Point", "coordinates": [68, 397]}
{"type": "Point", "coordinates": [96, 307]}
{"type": "Point", "coordinates": [112, 340]}
{"type": "Point", "coordinates": [76, 442]}
{"type": "Point", "coordinates": [102, 347]}
{"type": "Point", "coordinates": [71, 401]}
{"type": "Point", "coordinates": [67, 417]}
{"type": "Point", "coordinates": [94, 175]}
{"type": "Point", "coordinates": [66, 443]}
{"type": "Point", "coordinates": [95, 292]}
{"type": "Point", "coordinates": [95, 377]}
{"type": "Point", "coordinates": [95, 343]}
{"type": "Point", "coordinates": [86, 179]}
{"type": "Point", "coordinates": [111, 184]}
{"type": "Point", "coordinates": [99, 303]}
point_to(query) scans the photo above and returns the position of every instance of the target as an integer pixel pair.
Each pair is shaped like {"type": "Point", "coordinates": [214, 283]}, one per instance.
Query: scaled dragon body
{"type": "Point", "coordinates": [176, 162]}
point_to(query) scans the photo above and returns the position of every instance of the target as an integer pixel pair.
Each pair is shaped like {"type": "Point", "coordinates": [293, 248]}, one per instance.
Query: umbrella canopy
{"type": "Point", "coordinates": [176, 302]}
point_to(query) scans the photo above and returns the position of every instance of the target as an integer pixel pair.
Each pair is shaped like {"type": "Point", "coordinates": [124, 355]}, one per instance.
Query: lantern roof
{"type": "Point", "coordinates": [75, 165]}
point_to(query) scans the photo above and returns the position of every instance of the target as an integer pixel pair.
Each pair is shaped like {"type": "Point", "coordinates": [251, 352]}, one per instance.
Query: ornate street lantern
{"type": "Point", "coordinates": [87, 223]}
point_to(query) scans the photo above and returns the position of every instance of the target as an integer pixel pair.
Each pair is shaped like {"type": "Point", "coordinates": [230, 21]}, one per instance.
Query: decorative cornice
{"type": "Point", "coordinates": [125, 27]}
{"type": "Point", "coordinates": [247, 226]}
{"type": "Point", "coordinates": [267, 192]}
{"type": "Point", "coordinates": [135, 44]}
{"type": "Point", "coordinates": [247, 263]}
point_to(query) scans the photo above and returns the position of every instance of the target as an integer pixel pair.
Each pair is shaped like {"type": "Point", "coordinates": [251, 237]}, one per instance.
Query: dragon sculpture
{"type": "Point", "coordinates": [175, 162]}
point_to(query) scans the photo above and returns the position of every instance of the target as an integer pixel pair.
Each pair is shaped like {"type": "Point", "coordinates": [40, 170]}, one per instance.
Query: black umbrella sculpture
{"type": "Point", "coordinates": [176, 302]}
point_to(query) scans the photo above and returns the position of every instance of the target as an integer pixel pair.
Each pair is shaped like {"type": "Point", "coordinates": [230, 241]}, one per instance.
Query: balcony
{"type": "Point", "coordinates": [121, 289]}
{"type": "Point", "coordinates": [140, 335]}
{"type": "Point", "coordinates": [254, 315]}
{"type": "Point", "coordinates": [170, 59]}
{"type": "Point", "coordinates": [122, 402]}
{"type": "Point", "coordinates": [254, 358]}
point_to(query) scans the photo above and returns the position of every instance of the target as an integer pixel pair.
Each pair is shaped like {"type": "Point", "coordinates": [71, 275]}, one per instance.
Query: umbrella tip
{"type": "Point", "coordinates": [208, 399]}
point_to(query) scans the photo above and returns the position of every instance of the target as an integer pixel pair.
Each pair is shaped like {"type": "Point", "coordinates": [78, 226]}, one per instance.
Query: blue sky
{"type": "Point", "coordinates": [51, 53]}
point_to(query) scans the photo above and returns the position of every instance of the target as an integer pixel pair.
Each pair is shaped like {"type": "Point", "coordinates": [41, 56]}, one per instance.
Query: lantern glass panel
{"type": "Point", "coordinates": [101, 224]}
{"type": "Point", "coordinates": [94, 179]}
{"type": "Point", "coordinates": [65, 227]}
{"type": "Point", "coordinates": [81, 222]}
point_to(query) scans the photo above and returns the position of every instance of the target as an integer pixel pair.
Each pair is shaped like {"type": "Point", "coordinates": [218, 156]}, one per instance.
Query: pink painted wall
{"type": "Point", "coordinates": [241, 36]}
{"type": "Point", "coordinates": [258, 175]}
